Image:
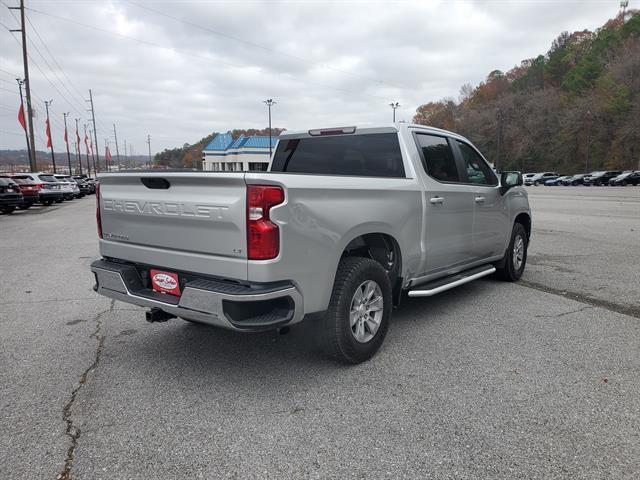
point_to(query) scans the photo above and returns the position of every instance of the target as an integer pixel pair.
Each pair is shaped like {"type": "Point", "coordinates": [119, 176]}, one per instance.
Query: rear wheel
{"type": "Point", "coordinates": [7, 210]}
{"type": "Point", "coordinates": [47, 203]}
{"type": "Point", "coordinates": [536, 183]}
{"type": "Point", "coordinates": [357, 320]}
{"type": "Point", "coordinates": [25, 206]}
{"type": "Point", "coordinates": [515, 259]}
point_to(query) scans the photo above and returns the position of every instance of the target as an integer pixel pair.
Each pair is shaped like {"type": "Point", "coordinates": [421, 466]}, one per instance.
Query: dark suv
{"type": "Point", "coordinates": [10, 195]}
{"type": "Point", "coordinates": [601, 178]}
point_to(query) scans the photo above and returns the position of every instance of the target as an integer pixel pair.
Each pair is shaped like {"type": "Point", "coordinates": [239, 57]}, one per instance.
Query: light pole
{"type": "Point", "coordinates": [500, 118]}
{"type": "Point", "coordinates": [49, 139]}
{"type": "Point", "coordinates": [586, 162]}
{"type": "Point", "coordinates": [270, 102]}
{"type": "Point", "coordinates": [394, 105]}
{"type": "Point", "coordinates": [623, 5]}
{"type": "Point", "coordinates": [149, 145]}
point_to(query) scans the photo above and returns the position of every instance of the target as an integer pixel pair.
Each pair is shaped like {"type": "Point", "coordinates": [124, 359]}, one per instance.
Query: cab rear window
{"type": "Point", "coordinates": [370, 155]}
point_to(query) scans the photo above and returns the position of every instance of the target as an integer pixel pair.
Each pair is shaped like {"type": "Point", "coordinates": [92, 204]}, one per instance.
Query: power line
{"type": "Point", "coordinates": [262, 47]}
{"type": "Point", "coordinates": [201, 57]}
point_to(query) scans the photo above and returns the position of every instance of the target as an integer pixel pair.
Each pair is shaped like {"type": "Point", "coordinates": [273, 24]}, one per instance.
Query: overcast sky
{"type": "Point", "coordinates": [180, 70]}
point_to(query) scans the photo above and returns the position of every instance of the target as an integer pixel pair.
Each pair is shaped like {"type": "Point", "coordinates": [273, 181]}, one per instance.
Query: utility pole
{"type": "Point", "coordinates": [131, 155]}
{"type": "Point", "coordinates": [93, 153]}
{"type": "Point", "coordinates": [126, 162]}
{"type": "Point", "coordinates": [50, 139]}
{"type": "Point", "coordinates": [394, 105]}
{"type": "Point", "coordinates": [66, 140]}
{"type": "Point", "coordinates": [115, 135]}
{"type": "Point", "coordinates": [26, 135]}
{"type": "Point", "coordinates": [270, 102]}
{"type": "Point", "coordinates": [95, 132]}
{"type": "Point", "coordinates": [27, 85]}
{"type": "Point", "coordinates": [78, 157]}
{"type": "Point", "coordinates": [149, 145]}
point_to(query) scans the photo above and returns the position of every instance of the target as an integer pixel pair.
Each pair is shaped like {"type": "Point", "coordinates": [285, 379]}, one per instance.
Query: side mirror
{"type": "Point", "coordinates": [509, 180]}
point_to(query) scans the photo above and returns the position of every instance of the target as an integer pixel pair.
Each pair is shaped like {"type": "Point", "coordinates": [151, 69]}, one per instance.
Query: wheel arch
{"type": "Point", "coordinates": [384, 249]}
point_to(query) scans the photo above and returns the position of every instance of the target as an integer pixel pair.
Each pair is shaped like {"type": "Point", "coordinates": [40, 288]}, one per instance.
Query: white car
{"type": "Point", "coordinates": [67, 187]}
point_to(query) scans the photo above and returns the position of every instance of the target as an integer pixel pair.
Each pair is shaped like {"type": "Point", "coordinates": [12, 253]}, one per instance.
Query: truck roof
{"type": "Point", "coordinates": [367, 129]}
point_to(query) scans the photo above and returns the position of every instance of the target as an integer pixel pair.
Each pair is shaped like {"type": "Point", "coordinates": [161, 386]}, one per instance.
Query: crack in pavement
{"type": "Point", "coordinates": [72, 431]}
{"type": "Point", "coordinates": [562, 314]}
{"type": "Point", "coordinates": [631, 310]}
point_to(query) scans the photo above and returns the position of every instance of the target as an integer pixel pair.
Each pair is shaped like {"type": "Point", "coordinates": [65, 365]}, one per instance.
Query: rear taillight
{"type": "Point", "coordinates": [263, 237]}
{"type": "Point", "coordinates": [98, 217]}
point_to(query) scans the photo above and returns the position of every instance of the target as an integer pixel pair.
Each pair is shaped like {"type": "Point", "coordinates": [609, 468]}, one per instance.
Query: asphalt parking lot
{"type": "Point", "coordinates": [539, 379]}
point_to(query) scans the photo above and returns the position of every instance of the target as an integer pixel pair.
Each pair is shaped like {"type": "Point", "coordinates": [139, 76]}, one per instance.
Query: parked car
{"type": "Point", "coordinates": [574, 180]}
{"type": "Point", "coordinates": [29, 190]}
{"type": "Point", "coordinates": [10, 196]}
{"type": "Point", "coordinates": [626, 178]}
{"type": "Point", "coordinates": [86, 188]}
{"type": "Point", "coordinates": [69, 189]}
{"type": "Point", "coordinates": [601, 178]}
{"type": "Point", "coordinates": [49, 188]}
{"type": "Point", "coordinates": [540, 178]}
{"type": "Point", "coordinates": [337, 227]}
{"type": "Point", "coordinates": [557, 181]}
{"type": "Point", "coordinates": [77, 191]}
{"type": "Point", "coordinates": [528, 176]}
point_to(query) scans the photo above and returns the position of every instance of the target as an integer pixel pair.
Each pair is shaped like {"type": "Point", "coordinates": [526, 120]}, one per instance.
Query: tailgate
{"type": "Point", "coordinates": [190, 221]}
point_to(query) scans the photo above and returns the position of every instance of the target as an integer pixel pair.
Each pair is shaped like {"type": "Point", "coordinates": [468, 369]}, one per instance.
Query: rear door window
{"type": "Point", "coordinates": [437, 158]}
{"type": "Point", "coordinates": [370, 155]}
{"type": "Point", "coordinates": [48, 178]}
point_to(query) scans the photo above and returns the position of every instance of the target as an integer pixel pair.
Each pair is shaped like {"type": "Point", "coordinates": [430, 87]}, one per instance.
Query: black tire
{"type": "Point", "coordinates": [536, 183]}
{"type": "Point", "coordinates": [47, 203]}
{"type": "Point", "coordinates": [7, 210]}
{"type": "Point", "coordinates": [339, 338]}
{"type": "Point", "coordinates": [25, 206]}
{"type": "Point", "coordinates": [507, 270]}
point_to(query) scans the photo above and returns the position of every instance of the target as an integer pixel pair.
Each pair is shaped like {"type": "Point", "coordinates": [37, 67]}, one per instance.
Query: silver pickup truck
{"type": "Point", "coordinates": [344, 222]}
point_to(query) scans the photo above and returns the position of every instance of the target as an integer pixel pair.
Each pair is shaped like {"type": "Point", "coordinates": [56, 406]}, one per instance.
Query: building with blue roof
{"type": "Point", "coordinates": [245, 153]}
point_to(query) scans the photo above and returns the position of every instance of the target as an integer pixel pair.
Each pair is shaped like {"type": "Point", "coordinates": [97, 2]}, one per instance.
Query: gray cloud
{"type": "Point", "coordinates": [326, 63]}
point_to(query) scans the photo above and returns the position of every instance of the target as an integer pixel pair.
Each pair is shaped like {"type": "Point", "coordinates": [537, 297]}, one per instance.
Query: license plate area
{"type": "Point", "coordinates": [165, 282]}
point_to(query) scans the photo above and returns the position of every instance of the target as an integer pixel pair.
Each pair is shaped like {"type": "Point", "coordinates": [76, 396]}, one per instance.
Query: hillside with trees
{"type": "Point", "coordinates": [190, 155]}
{"type": "Point", "coordinates": [574, 109]}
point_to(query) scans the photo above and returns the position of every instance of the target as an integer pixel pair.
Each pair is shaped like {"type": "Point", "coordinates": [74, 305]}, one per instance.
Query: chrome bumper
{"type": "Point", "coordinates": [202, 300]}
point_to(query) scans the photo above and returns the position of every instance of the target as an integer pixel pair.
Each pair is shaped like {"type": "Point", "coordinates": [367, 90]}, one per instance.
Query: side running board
{"type": "Point", "coordinates": [447, 283]}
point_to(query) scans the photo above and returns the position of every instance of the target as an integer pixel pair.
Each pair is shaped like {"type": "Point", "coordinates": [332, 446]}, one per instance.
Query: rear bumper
{"type": "Point", "coordinates": [11, 201]}
{"type": "Point", "coordinates": [45, 195]}
{"type": "Point", "coordinates": [238, 307]}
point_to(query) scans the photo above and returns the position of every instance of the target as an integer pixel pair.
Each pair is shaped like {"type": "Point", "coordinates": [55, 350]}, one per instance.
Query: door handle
{"type": "Point", "coordinates": [479, 199]}
{"type": "Point", "coordinates": [436, 200]}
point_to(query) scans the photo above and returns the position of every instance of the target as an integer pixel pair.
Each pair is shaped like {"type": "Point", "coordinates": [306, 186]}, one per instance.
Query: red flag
{"type": "Point", "coordinates": [48, 132]}
{"type": "Point", "coordinates": [78, 138]}
{"type": "Point", "coordinates": [91, 147]}
{"type": "Point", "coordinates": [86, 142]}
{"type": "Point", "coordinates": [107, 154]}
{"type": "Point", "coordinates": [66, 138]}
{"type": "Point", "coordinates": [21, 118]}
